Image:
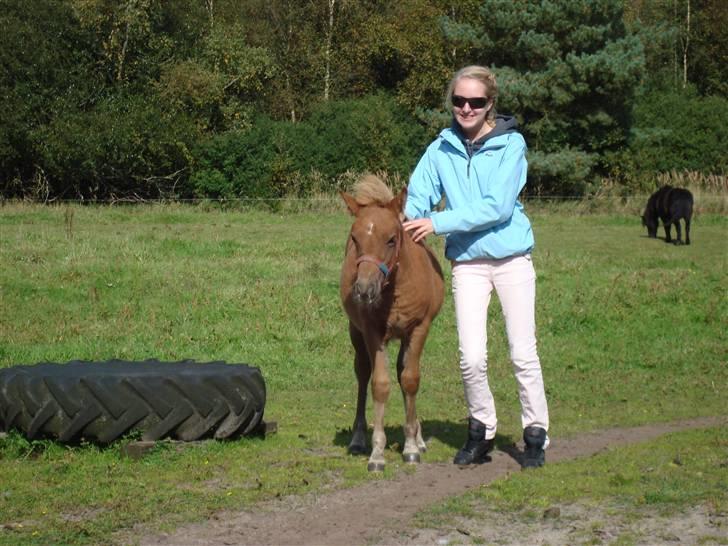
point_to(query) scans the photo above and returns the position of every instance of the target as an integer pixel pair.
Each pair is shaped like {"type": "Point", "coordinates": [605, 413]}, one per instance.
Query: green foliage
{"type": "Point", "coordinates": [561, 173]}
{"type": "Point", "coordinates": [222, 87]}
{"type": "Point", "coordinates": [708, 70]}
{"type": "Point", "coordinates": [239, 164]}
{"type": "Point", "coordinates": [43, 56]}
{"type": "Point", "coordinates": [125, 146]}
{"type": "Point", "coordinates": [373, 133]}
{"type": "Point", "coordinates": [673, 132]}
{"type": "Point", "coordinates": [367, 134]}
{"type": "Point", "coordinates": [680, 131]}
{"type": "Point", "coordinates": [568, 70]}
{"type": "Point", "coordinates": [685, 43]}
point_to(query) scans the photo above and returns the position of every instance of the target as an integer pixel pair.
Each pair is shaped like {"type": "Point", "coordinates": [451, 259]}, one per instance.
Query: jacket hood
{"type": "Point", "coordinates": [503, 125]}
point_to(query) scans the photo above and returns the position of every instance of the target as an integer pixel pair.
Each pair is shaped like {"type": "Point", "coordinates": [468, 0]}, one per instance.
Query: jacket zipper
{"type": "Point", "coordinates": [469, 151]}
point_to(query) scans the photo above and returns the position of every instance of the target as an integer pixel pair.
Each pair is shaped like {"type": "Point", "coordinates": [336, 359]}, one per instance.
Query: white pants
{"type": "Point", "coordinates": [514, 280]}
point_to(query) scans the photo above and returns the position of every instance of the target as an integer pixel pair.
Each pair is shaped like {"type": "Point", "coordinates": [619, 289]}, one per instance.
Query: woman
{"type": "Point", "coordinates": [479, 166]}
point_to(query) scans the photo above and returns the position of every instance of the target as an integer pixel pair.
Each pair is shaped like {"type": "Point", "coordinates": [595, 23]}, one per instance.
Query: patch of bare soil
{"type": "Point", "coordinates": [571, 524]}
{"type": "Point", "coordinates": [380, 512]}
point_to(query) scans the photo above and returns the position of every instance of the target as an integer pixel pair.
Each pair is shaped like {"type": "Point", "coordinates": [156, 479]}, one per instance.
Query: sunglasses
{"type": "Point", "coordinates": [476, 103]}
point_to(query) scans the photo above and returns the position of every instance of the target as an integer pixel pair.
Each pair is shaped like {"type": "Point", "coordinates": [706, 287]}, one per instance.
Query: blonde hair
{"type": "Point", "coordinates": [372, 189]}
{"type": "Point", "coordinates": [483, 75]}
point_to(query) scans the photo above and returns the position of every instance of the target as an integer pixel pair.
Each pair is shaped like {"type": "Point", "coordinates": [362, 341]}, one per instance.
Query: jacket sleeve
{"type": "Point", "coordinates": [424, 190]}
{"type": "Point", "coordinates": [499, 202]}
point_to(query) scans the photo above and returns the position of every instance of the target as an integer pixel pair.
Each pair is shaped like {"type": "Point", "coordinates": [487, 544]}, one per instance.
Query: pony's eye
{"type": "Point", "coordinates": [392, 242]}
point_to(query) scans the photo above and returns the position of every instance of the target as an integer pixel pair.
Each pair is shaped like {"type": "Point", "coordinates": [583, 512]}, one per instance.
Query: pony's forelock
{"type": "Point", "coordinates": [372, 189]}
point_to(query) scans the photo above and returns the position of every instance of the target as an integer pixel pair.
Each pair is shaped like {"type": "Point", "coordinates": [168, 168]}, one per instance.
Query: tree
{"type": "Point", "coordinates": [222, 83]}
{"type": "Point", "coordinates": [685, 43]}
{"type": "Point", "coordinates": [568, 70]}
{"type": "Point", "coordinates": [44, 69]}
{"type": "Point", "coordinates": [708, 68]}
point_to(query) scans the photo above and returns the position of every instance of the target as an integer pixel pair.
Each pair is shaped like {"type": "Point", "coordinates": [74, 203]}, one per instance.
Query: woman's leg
{"type": "Point", "coordinates": [472, 287]}
{"type": "Point", "coordinates": [515, 283]}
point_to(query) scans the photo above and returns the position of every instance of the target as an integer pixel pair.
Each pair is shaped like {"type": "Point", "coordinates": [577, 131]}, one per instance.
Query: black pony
{"type": "Point", "coordinates": [669, 205]}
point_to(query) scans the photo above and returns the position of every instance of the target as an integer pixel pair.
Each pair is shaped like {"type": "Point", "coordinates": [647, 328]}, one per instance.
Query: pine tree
{"type": "Point", "coordinates": [568, 70]}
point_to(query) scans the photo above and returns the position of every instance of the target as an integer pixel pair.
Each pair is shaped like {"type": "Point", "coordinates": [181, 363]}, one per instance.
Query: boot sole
{"type": "Point", "coordinates": [480, 460]}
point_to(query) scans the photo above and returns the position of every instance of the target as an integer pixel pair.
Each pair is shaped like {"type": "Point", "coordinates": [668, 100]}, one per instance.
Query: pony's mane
{"type": "Point", "coordinates": [372, 189]}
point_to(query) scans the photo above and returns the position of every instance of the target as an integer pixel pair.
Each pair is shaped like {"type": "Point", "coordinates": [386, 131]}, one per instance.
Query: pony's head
{"type": "Point", "coordinates": [651, 224]}
{"type": "Point", "coordinates": [376, 236]}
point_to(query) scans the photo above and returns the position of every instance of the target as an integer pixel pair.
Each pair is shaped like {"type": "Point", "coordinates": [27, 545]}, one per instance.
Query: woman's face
{"type": "Point", "coordinates": [471, 120]}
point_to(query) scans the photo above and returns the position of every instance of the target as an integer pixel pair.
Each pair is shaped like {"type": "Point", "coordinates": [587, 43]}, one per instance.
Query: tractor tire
{"type": "Point", "coordinates": [103, 401]}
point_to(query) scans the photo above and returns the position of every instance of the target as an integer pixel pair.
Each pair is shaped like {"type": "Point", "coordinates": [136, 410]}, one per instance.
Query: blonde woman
{"type": "Point", "coordinates": [479, 166]}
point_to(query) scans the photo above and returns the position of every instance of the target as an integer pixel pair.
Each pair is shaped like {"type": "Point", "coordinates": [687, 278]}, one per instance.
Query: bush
{"type": "Point", "coordinates": [369, 134]}
{"type": "Point", "coordinates": [247, 164]}
{"type": "Point", "coordinates": [680, 131]}
{"type": "Point", "coordinates": [278, 158]}
{"type": "Point", "coordinates": [124, 146]}
{"type": "Point", "coordinates": [561, 173]}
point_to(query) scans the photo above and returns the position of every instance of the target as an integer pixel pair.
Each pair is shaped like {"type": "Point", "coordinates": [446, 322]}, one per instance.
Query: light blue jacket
{"type": "Point", "coordinates": [482, 217]}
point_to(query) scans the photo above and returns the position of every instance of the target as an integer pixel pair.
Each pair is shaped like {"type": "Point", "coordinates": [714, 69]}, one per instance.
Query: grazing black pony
{"type": "Point", "coordinates": [669, 205]}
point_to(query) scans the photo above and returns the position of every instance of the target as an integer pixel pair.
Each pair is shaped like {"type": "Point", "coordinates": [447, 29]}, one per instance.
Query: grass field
{"type": "Point", "coordinates": [631, 330]}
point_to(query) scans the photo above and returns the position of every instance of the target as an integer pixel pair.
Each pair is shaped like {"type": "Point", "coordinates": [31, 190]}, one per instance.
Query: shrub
{"type": "Point", "coordinates": [680, 131]}
{"type": "Point", "coordinates": [278, 158]}
{"type": "Point", "coordinates": [369, 134]}
{"type": "Point", "coordinates": [123, 146]}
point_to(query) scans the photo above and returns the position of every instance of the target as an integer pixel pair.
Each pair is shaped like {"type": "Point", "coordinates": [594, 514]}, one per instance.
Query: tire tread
{"type": "Point", "coordinates": [103, 401]}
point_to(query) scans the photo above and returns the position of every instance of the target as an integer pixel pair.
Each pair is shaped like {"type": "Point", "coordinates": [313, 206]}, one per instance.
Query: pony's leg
{"type": "Point", "coordinates": [408, 372]}
{"type": "Point", "coordinates": [380, 394]}
{"type": "Point", "coordinates": [667, 225]}
{"type": "Point", "coordinates": [363, 370]}
{"type": "Point", "coordinates": [421, 445]}
{"type": "Point", "coordinates": [687, 230]}
{"type": "Point", "coordinates": [678, 241]}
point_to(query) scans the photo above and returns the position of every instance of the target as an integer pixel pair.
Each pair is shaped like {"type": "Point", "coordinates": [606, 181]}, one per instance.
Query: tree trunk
{"type": "Point", "coordinates": [686, 44]}
{"type": "Point", "coordinates": [674, 49]}
{"type": "Point", "coordinates": [327, 55]}
{"type": "Point", "coordinates": [122, 55]}
{"type": "Point", "coordinates": [210, 11]}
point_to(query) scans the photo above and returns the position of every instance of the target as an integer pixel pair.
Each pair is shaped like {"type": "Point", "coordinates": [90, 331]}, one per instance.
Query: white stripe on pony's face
{"type": "Point", "coordinates": [370, 228]}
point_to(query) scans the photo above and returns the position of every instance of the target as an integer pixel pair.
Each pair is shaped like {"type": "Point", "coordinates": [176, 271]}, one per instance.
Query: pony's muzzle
{"type": "Point", "coordinates": [367, 290]}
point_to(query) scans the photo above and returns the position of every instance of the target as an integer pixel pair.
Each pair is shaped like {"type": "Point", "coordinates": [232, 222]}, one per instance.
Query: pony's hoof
{"type": "Point", "coordinates": [375, 467]}
{"type": "Point", "coordinates": [357, 449]}
{"type": "Point", "coordinates": [411, 458]}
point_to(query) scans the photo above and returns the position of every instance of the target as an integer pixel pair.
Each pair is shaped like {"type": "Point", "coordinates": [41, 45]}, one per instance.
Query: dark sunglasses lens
{"type": "Point", "coordinates": [475, 102]}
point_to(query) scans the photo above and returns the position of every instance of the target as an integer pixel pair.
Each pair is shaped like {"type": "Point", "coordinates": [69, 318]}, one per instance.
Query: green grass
{"type": "Point", "coordinates": [631, 331]}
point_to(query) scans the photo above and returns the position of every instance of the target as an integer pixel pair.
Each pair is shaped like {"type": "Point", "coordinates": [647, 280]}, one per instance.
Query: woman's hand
{"type": "Point", "coordinates": [419, 229]}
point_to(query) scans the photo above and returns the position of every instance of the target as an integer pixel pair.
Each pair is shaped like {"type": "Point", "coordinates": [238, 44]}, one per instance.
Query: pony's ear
{"type": "Point", "coordinates": [397, 204]}
{"type": "Point", "coordinates": [351, 203]}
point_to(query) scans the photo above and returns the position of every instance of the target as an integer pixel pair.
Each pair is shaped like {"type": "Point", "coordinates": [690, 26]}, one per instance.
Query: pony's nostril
{"type": "Point", "coordinates": [368, 292]}
{"type": "Point", "coordinates": [359, 289]}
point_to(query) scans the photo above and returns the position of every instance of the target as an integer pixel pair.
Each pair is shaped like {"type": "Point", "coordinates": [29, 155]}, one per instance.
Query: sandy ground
{"type": "Point", "coordinates": [381, 512]}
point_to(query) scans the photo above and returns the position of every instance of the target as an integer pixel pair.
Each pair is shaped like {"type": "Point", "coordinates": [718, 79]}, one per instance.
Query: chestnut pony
{"type": "Point", "coordinates": [391, 287]}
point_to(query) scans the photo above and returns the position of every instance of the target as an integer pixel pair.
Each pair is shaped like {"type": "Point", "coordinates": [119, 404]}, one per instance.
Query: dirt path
{"type": "Point", "coordinates": [368, 513]}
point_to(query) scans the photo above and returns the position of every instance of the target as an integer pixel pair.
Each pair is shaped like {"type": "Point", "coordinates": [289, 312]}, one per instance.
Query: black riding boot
{"type": "Point", "coordinates": [534, 438]}
{"type": "Point", "coordinates": [476, 448]}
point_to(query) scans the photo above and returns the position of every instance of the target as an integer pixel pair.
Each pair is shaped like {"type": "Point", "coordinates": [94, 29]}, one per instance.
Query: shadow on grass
{"type": "Point", "coordinates": [450, 433]}
{"type": "Point", "coordinates": [664, 240]}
